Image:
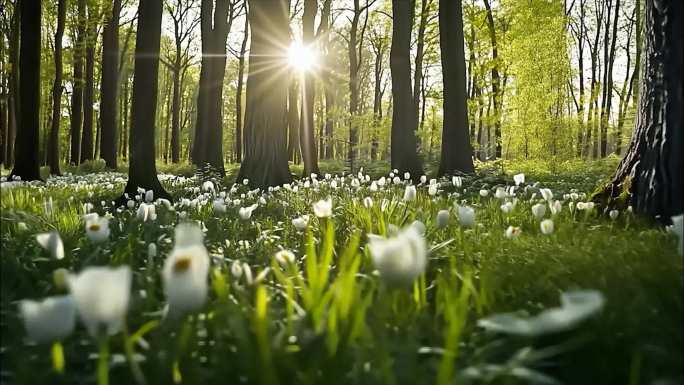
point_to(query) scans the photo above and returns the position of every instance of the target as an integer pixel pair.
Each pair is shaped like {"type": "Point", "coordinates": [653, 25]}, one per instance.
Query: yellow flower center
{"type": "Point", "coordinates": [94, 227]}
{"type": "Point", "coordinates": [182, 265]}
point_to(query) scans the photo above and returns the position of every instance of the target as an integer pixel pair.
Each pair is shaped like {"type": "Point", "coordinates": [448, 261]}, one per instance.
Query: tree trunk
{"type": "Point", "coordinates": [110, 87]}
{"type": "Point", "coordinates": [88, 94]}
{"type": "Point", "coordinates": [208, 144]}
{"type": "Point", "coordinates": [456, 150]}
{"type": "Point", "coordinates": [77, 92]}
{"type": "Point", "coordinates": [420, 53]}
{"type": "Point", "coordinates": [238, 96]}
{"type": "Point", "coordinates": [175, 108]}
{"type": "Point", "coordinates": [142, 170]}
{"type": "Point", "coordinates": [53, 146]}
{"type": "Point", "coordinates": [265, 162]}
{"type": "Point", "coordinates": [26, 162]}
{"type": "Point", "coordinates": [496, 80]}
{"type": "Point", "coordinates": [651, 168]}
{"type": "Point", "coordinates": [404, 120]}
{"type": "Point", "coordinates": [306, 127]}
{"type": "Point", "coordinates": [293, 149]}
{"type": "Point", "coordinates": [608, 85]}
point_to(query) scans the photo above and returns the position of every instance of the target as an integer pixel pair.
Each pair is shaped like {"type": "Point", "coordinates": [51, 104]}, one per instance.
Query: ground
{"type": "Point", "coordinates": [330, 316]}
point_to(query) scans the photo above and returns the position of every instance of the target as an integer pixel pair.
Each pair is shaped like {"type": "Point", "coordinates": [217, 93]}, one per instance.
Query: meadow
{"type": "Point", "coordinates": [507, 276]}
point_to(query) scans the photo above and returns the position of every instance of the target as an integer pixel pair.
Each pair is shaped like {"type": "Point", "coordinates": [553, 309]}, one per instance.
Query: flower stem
{"type": "Point", "coordinates": [57, 353]}
{"type": "Point", "coordinates": [103, 361]}
{"type": "Point", "coordinates": [130, 357]}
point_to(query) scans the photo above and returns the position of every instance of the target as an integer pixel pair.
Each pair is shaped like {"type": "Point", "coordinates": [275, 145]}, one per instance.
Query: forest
{"type": "Point", "coordinates": [348, 191]}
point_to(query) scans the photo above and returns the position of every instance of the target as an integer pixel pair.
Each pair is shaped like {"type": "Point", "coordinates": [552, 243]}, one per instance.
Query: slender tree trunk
{"type": "Point", "coordinates": [142, 170]}
{"type": "Point", "coordinates": [88, 94]}
{"type": "Point", "coordinates": [420, 53]}
{"type": "Point", "coordinates": [53, 146]}
{"type": "Point", "coordinates": [293, 119]}
{"type": "Point", "coordinates": [496, 80]}
{"type": "Point", "coordinates": [110, 86]}
{"type": "Point", "coordinates": [238, 96]}
{"type": "Point", "coordinates": [608, 85]}
{"type": "Point", "coordinates": [651, 168]}
{"type": "Point", "coordinates": [404, 120]}
{"type": "Point", "coordinates": [77, 92]}
{"type": "Point", "coordinates": [26, 161]}
{"type": "Point", "coordinates": [265, 162]}
{"type": "Point", "coordinates": [456, 150]}
{"type": "Point", "coordinates": [306, 127]}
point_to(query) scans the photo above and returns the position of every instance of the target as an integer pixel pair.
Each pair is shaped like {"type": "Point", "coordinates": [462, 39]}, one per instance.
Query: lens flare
{"type": "Point", "coordinates": [301, 57]}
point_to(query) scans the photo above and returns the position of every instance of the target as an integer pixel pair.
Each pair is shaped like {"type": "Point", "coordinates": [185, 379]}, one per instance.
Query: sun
{"type": "Point", "coordinates": [301, 57]}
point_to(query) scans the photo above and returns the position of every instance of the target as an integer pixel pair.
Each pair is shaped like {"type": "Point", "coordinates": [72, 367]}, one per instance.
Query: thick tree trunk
{"type": "Point", "coordinates": [208, 144]}
{"type": "Point", "coordinates": [265, 162]}
{"type": "Point", "coordinates": [26, 162]}
{"type": "Point", "coordinates": [308, 141]}
{"type": "Point", "coordinates": [53, 146]}
{"type": "Point", "coordinates": [142, 170]}
{"type": "Point", "coordinates": [456, 150]}
{"type": "Point", "coordinates": [110, 87]}
{"type": "Point", "coordinates": [238, 96]}
{"type": "Point", "coordinates": [404, 120]}
{"type": "Point", "coordinates": [651, 168]}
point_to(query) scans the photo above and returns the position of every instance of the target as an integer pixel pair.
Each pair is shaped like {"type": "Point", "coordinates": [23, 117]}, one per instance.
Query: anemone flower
{"type": "Point", "coordinates": [401, 258]}
{"type": "Point", "coordinates": [51, 242]}
{"type": "Point", "coordinates": [51, 319]}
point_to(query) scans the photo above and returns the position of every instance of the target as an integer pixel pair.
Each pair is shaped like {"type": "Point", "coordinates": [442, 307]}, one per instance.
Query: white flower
{"type": "Point", "coordinates": [368, 202]}
{"type": "Point", "coordinates": [51, 242]}
{"type": "Point", "coordinates": [546, 193]}
{"type": "Point", "coordinates": [575, 307]}
{"type": "Point", "coordinates": [507, 207]}
{"type": "Point", "coordinates": [423, 179]}
{"type": "Point", "coordinates": [355, 183]}
{"type": "Point", "coordinates": [284, 257]}
{"type": "Point", "coordinates": [208, 186]}
{"type": "Point", "coordinates": [21, 226]}
{"type": "Point", "coordinates": [466, 216]}
{"type": "Point", "coordinates": [519, 179]}
{"type": "Point", "coordinates": [538, 210]}
{"type": "Point", "coordinates": [556, 207]}
{"type": "Point", "coordinates": [219, 206]}
{"type": "Point", "coordinates": [546, 226]}
{"type": "Point", "coordinates": [147, 212]}
{"type": "Point", "coordinates": [323, 208]}
{"type": "Point", "coordinates": [236, 269]}
{"type": "Point", "coordinates": [373, 187]}
{"type": "Point", "coordinates": [245, 181]}
{"type": "Point", "coordinates": [333, 184]}
{"type": "Point", "coordinates": [484, 193]}
{"type": "Point", "coordinates": [500, 193]}
{"type": "Point", "coordinates": [396, 180]}
{"type": "Point", "coordinates": [151, 250]}
{"type": "Point", "coordinates": [442, 219]}
{"type": "Point", "coordinates": [382, 181]}
{"type": "Point", "coordinates": [101, 295]}
{"type": "Point", "coordinates": [301, 223]}
{"type": "Point", "coordinates": [407, 175]}
{"type": "Point", "coordinates": [97, 228]}
{"type": "Point", "coordinates": [399, 259]}
{"type": "Point", "coordinates": [246, 212]}
{"type": "Point", "coordinates": [457, 181]}
{"type": "Point", "coordinates": [51, 319]}
{"type": "Point", "coordinates": [432, 190]}
{"type": "Point", "coordinates": [512, 232]}
{"type": "Point", "coordinates": [384, 204]}
{"type": "Point", "coordinates": [149, 196]}
{"type": "Point", "coordinates": [185, 274]}
{"type": "Point", "coordinates": [677, 228]}
{"type": "Point", "coordinates": [409, 193]}
{"type": "Point", "coordinates": [613, 214]}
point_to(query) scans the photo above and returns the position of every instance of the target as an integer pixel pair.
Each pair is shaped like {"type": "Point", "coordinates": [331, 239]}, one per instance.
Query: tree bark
{"type": "Point", "coordinates": [608, 84]}
{"type": "Point", "coordinates": [293, 149]}
{"type": "Point", "coordinates": [456, 150]}
{"type": "Point", "coordinates": [238, 96]}
{"type": "Point", "coordinates": [420, 53]}
{"type": "Point", "coordinates": [650, 172]}
{"type": "Point", "coordinates": [265, 162]}
{"type": "Point", "coordinates": [53, 146]}
{"type": "Point", "coordinates": [327, 80]}
{"type": "Point", "coordinates": [215, 22]}
{"type": "Point", "coordinates": [87, 147]}
{"type": "Point", "coordinates": [142, 170]}
{"type": "Point", "coordinates": [306, 127]}
{"type": "Point", "coordinates": [496, 80]}
{"type": "Point", "coordinates": [26, 162]}
{"type": "Point", "coordinates": [404, 119]}
{"type": "Point", "coordinates": [110, 87]}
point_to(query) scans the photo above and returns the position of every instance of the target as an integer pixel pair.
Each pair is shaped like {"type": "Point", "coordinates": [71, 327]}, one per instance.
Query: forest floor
{"type": "Point", "coordinates": [487, 308]}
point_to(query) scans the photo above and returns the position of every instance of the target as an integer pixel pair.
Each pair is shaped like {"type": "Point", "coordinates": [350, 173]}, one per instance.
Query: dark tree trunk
{"type": "Point", "coordinates": [420, 53]}
{"type": "Point", "coordinates": [142, 171]}
{"type": "Point", "coordinates": [456, 150]}
{"type": "Point", "coordinates": [26, 162]}
{"type": "Point", "coordinates": [327, 80]}
{"type": "Point", "coordinates": [87, 147]}
{"type": "Point", "coordinates": [308, 141]}
{"type": "Point", "coordinates": [355, 50]}
{"type": "Point", "coordinates": [379, 50]}
{"type": "Point", "coordinates": [265, 162]}
{"type": "Point", "coordinates": [215, 25]}
{"type": "Point", "coordinates": [77, 93]}
{"type": "Point", "coordinates": [110, 87]}
{"type": "Point", "coordinates": [238, 96]}
{"type": "Point", "coordinates": [496, 80]}
{"type": "Point", "coordinates": [404, 119]}
{"type": "Point", "coordinates": [652, 167]}
{"type": "Point", "coordinates": [175, 108]}
{"type": "Point", "coordinates": [125, 120]}
{"type": "Point", "coordinates": [293, 149]}
{"type": "Point", "coordinates": [53, 146]}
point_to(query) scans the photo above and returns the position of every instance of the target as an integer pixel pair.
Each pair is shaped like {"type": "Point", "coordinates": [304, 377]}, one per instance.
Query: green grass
{"type": "Point", "coordinates": [329, 318]}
